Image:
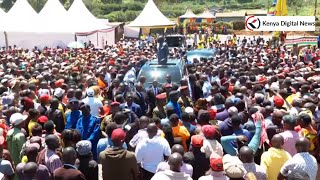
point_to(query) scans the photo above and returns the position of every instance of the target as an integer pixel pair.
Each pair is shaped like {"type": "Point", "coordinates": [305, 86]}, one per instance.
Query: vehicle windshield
{"type": "Point", "coordinates": [159, 73]}
{"type": "Point", "coordinates": [200, 54]}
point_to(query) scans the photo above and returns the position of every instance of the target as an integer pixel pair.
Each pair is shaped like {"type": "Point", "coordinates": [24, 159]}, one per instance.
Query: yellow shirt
{"type": "Point", "coordinates": [30, 126]}
{"type": "Point", "coordinates": [183, 133]}
{"type": "Point", "coordinates": [272, 161]}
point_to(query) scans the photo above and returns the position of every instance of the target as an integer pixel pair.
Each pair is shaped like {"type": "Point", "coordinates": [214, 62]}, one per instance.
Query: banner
{"type": "Point", "coordinates": [302, 41]}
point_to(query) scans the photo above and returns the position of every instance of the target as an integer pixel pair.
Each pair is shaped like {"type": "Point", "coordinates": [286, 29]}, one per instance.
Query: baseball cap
{"type": "Point", "coordinates": [84, 147]}
{"type": "Point", "coordinates": [58, 92]}
{"type": "Point", "coordinates": [216, 164]}
{"type": "Point", "coordinates": [17, 118]}
{"type": "Point", "coordinates": [208, 131]}
{"type": "Point", "coordinates": [197, 141]}
{"type": "Point", "coordinates": [90, 92]}
{"type": "Point", "coordinates": [118, 135]}
{"type": "Point", "coordinates": [278, 101]}
{"type": "Point", "coordinates": [233, 167]}
{"type": "Point", "coordinates": [42, 119]}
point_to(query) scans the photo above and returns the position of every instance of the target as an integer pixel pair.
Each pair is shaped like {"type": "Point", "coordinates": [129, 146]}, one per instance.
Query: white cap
{"type": "Point", "coordinates": [90, 92]}
{"type": "Point", "coordinates": [58, 92]}
{"type": "Point", "coordinates": [17, 118]}
{"type": "Point", "coordinates": [189, 110]}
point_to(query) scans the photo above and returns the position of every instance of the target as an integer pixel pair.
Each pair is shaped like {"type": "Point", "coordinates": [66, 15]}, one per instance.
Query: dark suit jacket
{"type": "Point", "coordinates": [142, 101]}
{"type": "Point", "coordinates": [197, 91]}
{"type": "Point", "coordinates": [134, 107]}
{"type": "Point", "coordinates": [68, 173]}
{"type": "Point", "coordinates": [152, 95]}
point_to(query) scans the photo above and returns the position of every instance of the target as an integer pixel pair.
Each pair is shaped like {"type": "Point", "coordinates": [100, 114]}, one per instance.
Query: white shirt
{"type": "Point", "coordinates": [170, 175]}
{"type": "Point", "coordinates": [150, 152]}
{"type": "Point", "coordinates": [142, 134]}
{"type": "Point", "coordinates": [214, 176]}
{"type": "Point", "coordinates": [299, 164]}
{"type": "Point", "coordinates": [95, 105]}
{"type": "Point", "coordinates": [212, 146]}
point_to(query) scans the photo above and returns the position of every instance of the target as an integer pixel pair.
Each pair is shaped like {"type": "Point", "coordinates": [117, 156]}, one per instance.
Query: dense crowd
{"type": "Point", "coordinates": [250, 111]}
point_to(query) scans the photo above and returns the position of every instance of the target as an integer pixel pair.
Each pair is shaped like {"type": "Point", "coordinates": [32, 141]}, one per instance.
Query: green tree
{"type": "Point", "coordinates": [296, 5]}
{"type": "Point", "coordinates": [7, 4]}
{"type": "Point", "coordinates": [37, 4]}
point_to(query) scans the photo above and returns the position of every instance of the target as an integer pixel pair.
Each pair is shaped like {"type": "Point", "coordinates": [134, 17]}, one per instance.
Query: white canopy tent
{"type": "Point", "coordinates": [207, 15]}
{"type": "Point", "coordinates": [20, 18]}
{"type": "Point", "coordinates": [92, 29]}
{"type": "Point", "coordinates": [151, 17]}
{"type": "Point", "coordinates": [188, 14]}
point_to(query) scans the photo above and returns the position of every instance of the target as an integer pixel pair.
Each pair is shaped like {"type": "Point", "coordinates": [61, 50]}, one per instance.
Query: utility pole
{"type": "Point", "coordinates": [315, 8]}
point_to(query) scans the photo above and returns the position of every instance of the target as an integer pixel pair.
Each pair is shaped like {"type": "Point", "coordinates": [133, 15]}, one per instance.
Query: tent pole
{"type": "Point", "coordinates": [97, 39]}
{"type": "Point", "coordinates": [6, 39]}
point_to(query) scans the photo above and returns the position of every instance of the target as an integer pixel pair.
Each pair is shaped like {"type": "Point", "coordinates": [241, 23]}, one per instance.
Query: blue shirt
{"type": "Point", "coordinates": [176, 107]}
{"type": "Point", "coordinates": [105, 143]}
{"type": "Point", "coordinates": [244, 132]}
{"type": "Point", "coordinates": [191, 128]}
{"type": "Point", "coordinates": [72, 118]}
{"type": "Point", "coordinates": [89, 129]}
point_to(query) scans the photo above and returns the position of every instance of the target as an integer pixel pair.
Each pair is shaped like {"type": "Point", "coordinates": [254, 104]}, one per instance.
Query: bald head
{"type": "Point", "coordinates": [143, 122]}
{"type": "Point", "coordinates": [277, 141]}
{"type": "Point", "coordinates": [177, 148]}
{"type": "Point", "coordinates": [152, 130]}
{"type": "Point", "coordinates": [302, 145]}
{"type": "Point", "coordinates": [175, 162]}
{"type": "Point", "coordinates": [246, 154]}
{"type": "Point", "coordinates": [30, 170]}
{"type": "Point", "coordinates": [69, 155]}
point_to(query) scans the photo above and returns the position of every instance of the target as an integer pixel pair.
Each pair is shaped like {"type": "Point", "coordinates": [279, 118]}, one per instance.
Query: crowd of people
{"type": "Point", "coordinates": [250, 111]}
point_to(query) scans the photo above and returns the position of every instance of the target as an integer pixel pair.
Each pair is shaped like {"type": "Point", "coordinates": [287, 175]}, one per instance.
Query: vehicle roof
{"type": "Point", "coordinates": [152, 70]}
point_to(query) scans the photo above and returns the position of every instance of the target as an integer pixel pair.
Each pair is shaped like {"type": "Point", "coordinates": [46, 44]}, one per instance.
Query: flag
{"type": "Point", "coordinates": [281, 8]}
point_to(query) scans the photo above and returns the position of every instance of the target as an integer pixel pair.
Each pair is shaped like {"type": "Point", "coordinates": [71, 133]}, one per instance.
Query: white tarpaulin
{"type": "Point", "coordinates": [207, 14]}
{"type": "Point", "coordinates": [90, 24]}
{"type": "Point", "coordinates": [131, 32]}
{"type": "Point", "coordinates": [151, 17]}
{"type": "Point", "coordinates": [54, 18]}
{"type": "Point", "coordinates": [20, 18]}
{"type": "Point", "coordinates": [86, 22]}
{"type": "Point", "coordinates": [188, 14]}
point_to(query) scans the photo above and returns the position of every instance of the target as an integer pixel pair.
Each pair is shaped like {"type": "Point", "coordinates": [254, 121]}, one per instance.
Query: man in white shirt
{"type": "Point", "coordinates": [175, 163]}
{"type": "Point", "coordinates": [95, 104]}
{"type": "Point", "coordinates": [150, 152]}
{"type": "Point", "coordinates": [302, 165]}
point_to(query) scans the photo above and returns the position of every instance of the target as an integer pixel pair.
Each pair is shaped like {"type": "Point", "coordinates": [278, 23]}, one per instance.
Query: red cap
{"type": "Point", "coordinates": [58, 83]}
{"type": "Point", "coordinates": [118, 135]}
{"type": "Point", "coordinates": [216, 164]}
{"type": "Point", "coordinates": [42, 119]}
{"type": "Point", "coordinates": [197, 141]}
{"type": "Point", "coordinates": [44, 97]}
{"type": "Point", "coordinates": [183, 88]}
{"type": "Point", "coordinates": [161, 96]}
{"type": "Point", "coordinates": [278, 101]}
{"type": "Point", "coordinates": [212, 113]}
{"type": "Point", "coordinates": [208, 131]}
{"type": "Point", "coordinates": [115, 103]}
